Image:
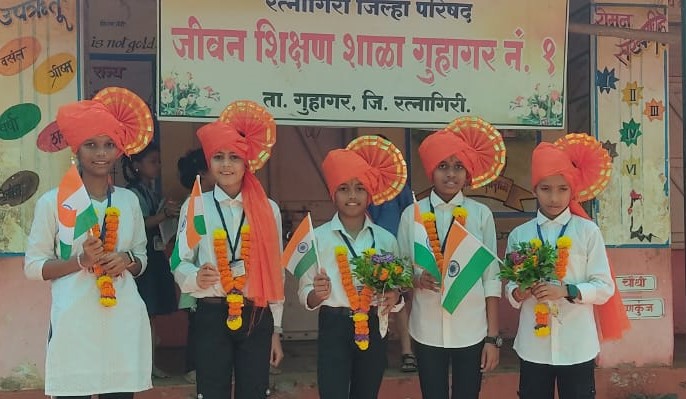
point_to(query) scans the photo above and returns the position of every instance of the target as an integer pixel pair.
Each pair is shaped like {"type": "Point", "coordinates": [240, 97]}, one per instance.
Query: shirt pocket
{"type": "Point", "coordinates": [576, 267]}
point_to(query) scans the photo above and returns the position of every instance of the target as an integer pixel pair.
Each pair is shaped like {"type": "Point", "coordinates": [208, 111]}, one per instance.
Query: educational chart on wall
{"type": "Point", "coordinates": [120, 46]}
{"type": "Point", "coordinates": [631, 120]}
{"type": "Point", "coordinates": [38, 73]}
{"type": "Point", "coordinates": [366, 62]}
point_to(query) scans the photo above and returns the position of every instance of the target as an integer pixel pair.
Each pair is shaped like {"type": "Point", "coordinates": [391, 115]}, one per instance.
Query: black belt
{"type": "Point", "coordinates": [221, 300]}
{"type": "Point", "coordinates": [342, 311]}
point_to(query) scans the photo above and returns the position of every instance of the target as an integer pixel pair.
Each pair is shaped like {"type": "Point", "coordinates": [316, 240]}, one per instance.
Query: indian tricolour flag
{"type": "Point", "coordinates": [423, 255]}
{"type": "Point", "coordinates": [75, 212]}
{"type": "Point", "coordinates": [467, 260]}
{"type": "Point", "coordinates": [192, 226]}
{"type": "Point", "coordinates": [301, 252]}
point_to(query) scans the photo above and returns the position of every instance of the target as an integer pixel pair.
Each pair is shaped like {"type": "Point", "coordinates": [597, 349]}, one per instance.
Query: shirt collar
{"type": "Point", "coordinates": [561, 219]}
{"type": "Point", "coordinates": [223, 198]}
{"type": "Point", "coordinates": [436, 201]}
{"type": "Point", "coordinates": [337, 225]}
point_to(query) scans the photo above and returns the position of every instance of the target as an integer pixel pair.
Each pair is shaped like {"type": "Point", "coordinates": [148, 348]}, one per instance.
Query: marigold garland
{"type": "Point", "coordinates": [542, 313]}
{"type": "Point", "coordinates": [542, 310]}
{"type": "Point", "coordinates": [563, 245]}
{"type": "Point", "coordinates": [233, 286]}
{"type": "Point", "coordinates": [108, 297]}
{"type": "Point", "coordinates": [360, 302]}
{"type": "Point", "coordinates": [429, 218]}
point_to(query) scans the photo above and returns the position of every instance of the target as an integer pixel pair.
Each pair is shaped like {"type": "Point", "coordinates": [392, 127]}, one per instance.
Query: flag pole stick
{"type": "Point", "coordinates": [204, 219]}
{"type": "Point", "coordinates": [314, 243]}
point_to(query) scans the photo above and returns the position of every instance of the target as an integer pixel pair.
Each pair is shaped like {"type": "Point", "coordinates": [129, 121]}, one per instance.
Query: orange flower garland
{"type": "Point", "coordinates": [542, 313]}
{"type": "Point", "coordinates": [233, 286]}
{"type": "Point", "coordinates": [108, 297]}
{"type": "Point", "coordinates": [542, 310]}
{"type": "Point", "coordinates": [563, 245]}
{"type": "Point", "coordinates": [429, 218]}
{"type": "Point", "coordinates": [360, 302]}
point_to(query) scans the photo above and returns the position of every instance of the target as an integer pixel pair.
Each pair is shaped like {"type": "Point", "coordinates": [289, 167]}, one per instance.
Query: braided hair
{"type": "Point", "coordinates": [128, 169]}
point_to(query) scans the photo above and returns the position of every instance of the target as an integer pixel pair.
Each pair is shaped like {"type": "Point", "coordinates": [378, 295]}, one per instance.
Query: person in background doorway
{"type": "Point", "coordinates": [387, 215]}
{"type": "Point", "coordinates": [189, 166]}
{"type": "Point", "coordinates": [156, 286]}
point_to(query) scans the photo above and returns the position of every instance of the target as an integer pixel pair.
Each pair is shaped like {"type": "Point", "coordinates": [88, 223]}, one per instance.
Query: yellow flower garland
{"type": "Point", "coordinates": [108, 295]}
{"type": "Point", "coordinates": [542, 310]}
{"type": "Point", "coordinates": [360, 302]}
{"type": "Point", "coordinates": [233, 286]}
{"type": "Point", "coordinates": [429, 218]}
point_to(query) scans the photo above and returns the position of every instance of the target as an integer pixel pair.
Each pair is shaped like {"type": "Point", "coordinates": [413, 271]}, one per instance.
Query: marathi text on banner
{"type": "Point", "coordinates": [366, 62]}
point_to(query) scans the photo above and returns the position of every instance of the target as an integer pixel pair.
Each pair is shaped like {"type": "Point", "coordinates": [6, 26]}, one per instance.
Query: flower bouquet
{"type": "Point", "coordinates": [382, 272]}
{"type": "Point", "coordinates": [535, 261]}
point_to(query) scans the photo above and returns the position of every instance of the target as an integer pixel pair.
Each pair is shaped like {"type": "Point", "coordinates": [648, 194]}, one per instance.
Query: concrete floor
{"type": "Point", "coordinates": [296, 378]}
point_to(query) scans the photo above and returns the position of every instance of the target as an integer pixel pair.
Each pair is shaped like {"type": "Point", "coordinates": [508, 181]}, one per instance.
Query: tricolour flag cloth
{"type": "Point", "coordinates": [467, 260]}
{"type": "Point", "coordinates": [192, 226]}
{"type": "Point", "coordinates": [423, 255]}
{"type": "Point", "coordinates": [301, 252]}
{"type": "Point", "coordinates": [75, 212]}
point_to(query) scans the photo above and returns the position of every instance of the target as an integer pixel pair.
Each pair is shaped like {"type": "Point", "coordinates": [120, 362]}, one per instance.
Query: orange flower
{"type": "Point", "coordinates": [232, 285]}
{"type": "Point", "coordinates": [108, 296]}
{"type": "Point", "coordinates": [384, 275]}
{"type": "Point", "coordinates": [360, 303]}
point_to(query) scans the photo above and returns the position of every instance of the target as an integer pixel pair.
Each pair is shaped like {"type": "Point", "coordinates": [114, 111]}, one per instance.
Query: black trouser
{"type": "Point", "coordinates": [433, 363]}
{"type": "Point", "coordinates": [343, 370]}
{"type": "Point", "coordinates": [537, 381]}
{"type": "Point", "coordinates": [220, 352]}
{"type": "Point", "coordinates": [190, 341]}
{"type": "Point", "coordinates": [124, 395]}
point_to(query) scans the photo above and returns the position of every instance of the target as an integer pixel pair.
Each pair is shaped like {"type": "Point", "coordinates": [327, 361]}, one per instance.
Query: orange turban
{"type": "Point", "coordinates": [264, 267]}
{"type": "Point", "coordinates": [217, 136]}
{"type": "Point", "coordinates": [550, 160]}
{"type": "Point", "coordinates": [442, 145]}
{"type": "Point", "coordinates": [341, 166]}
{"type": "Point", "coordinates": [85, 119]}
{"type": "Point", "coordinates": [115, 112]}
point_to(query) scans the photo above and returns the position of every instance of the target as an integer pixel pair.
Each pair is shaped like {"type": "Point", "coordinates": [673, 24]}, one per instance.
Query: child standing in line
{"type": "Point", "coordinates": [235, 272]}
{"type": "Point", "coordinates": [99, 339]}
{"type": "Point", "coordinates": [575, 168]}
{"type": "Point", "coordinates": [351, 359]}
{"type": "Point", "coordinates": [468, 152]}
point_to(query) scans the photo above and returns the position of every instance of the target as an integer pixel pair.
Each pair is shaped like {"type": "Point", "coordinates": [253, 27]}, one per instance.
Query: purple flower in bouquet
{"type": "Point", "coordinates": [517, 258]}
{"type": "Point", "coordinates": [383, 258]}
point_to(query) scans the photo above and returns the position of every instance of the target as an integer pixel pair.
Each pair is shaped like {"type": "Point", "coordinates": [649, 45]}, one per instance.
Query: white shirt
{"type": "Point", "coordinates": [328, 237]}
{"type": "Point", "coordinates": [430, 323]}
{"type": "Point", "coordinates": [93, 349]}
{"type": "Point", "coordinates": [573, 338]}
{"type": "Point", "coordinates": [232, 208]}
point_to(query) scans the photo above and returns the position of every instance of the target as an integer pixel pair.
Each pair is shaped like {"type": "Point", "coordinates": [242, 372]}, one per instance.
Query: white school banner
{"type": "Point", "coordinates": [366, 62]}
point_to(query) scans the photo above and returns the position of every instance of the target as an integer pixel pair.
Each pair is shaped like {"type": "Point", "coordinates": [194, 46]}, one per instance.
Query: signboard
{"type": "Point", "coordinates": [649, 308]}
{"type": "Point", "coordinates": [631, 120]}
{"type": "Point", "coordinates": [366, 62]}
{"type": "Point", "coordinates": [636, 282]}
